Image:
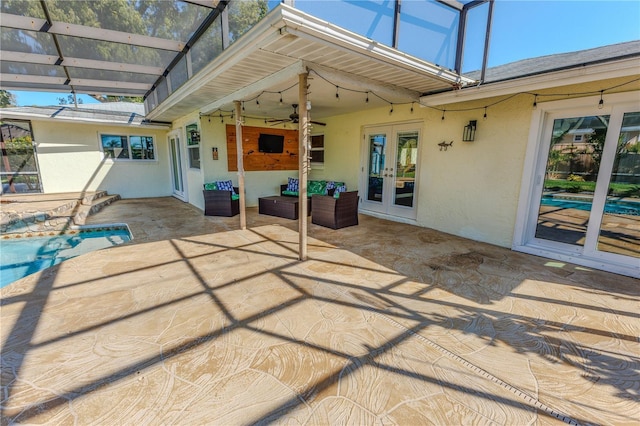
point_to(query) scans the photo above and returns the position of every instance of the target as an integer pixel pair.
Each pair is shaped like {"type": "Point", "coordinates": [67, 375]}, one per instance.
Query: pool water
{"type": "Point", "coordinates": [24, 256]}
{"type": "Point", "coordinates": [611, 207]}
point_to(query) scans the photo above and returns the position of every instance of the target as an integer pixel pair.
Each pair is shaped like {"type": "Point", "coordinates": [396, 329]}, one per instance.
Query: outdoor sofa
{"type": "Point", "coordinates": [221, 199]}
{"type": "Point", "coordinates": [314, 187]}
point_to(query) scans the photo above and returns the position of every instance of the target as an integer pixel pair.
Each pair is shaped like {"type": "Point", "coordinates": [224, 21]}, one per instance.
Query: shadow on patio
{"type": "Point", "coordinates": [385, 323]}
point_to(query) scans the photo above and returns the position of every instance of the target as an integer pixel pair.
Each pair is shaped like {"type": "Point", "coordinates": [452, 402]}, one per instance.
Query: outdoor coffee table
{"type": "Point", "coordinates": [280, 206]}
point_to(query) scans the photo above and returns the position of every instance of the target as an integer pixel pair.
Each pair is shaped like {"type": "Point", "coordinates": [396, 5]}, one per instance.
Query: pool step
{"type": "Point", "coordinates": [50, 212]}
{"type": "Point", "coordinates": [93, 206]}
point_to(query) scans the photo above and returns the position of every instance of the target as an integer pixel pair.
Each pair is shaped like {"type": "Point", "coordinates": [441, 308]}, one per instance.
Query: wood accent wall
{"type": "Point", "coordinates": [260, 161]}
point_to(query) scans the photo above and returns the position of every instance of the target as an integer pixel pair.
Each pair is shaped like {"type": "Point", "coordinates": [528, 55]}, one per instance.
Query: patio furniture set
{"type": "Point", "coordinates": [329, 202]}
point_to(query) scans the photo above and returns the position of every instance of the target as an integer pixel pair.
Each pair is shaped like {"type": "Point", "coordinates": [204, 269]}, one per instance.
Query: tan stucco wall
{"type": "Point", "coordinates": [70, 159]}
{"type": "Point", "coordinates": [470, 190]}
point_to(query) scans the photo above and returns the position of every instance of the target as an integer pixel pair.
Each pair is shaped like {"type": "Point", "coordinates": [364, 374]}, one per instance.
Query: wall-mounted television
{"type": "Point", "coordinates": [273, 144]}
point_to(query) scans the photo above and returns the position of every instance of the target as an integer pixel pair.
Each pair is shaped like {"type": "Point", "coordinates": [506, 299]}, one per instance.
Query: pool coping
{"type": "Point", "coordinates": [71, 230]}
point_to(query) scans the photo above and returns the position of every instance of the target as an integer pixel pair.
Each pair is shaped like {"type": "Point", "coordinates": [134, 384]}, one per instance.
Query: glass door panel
{"type": "Point", "coordinates": [571, 173]}
{"type": "Point", "coordinates": [405, 176]}
{"type": "Point", "coordinates": [176, 166]}
{"type": "Point", "coordinates": [377, 170]}
{"type": "Point", "coordinates": [620, 225]}
{"type": "Point", "coordinates": [390, 173]}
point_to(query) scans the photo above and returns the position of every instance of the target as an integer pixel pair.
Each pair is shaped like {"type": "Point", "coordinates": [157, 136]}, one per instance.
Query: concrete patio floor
{"type": "Point", "coordinates": [196, 322]}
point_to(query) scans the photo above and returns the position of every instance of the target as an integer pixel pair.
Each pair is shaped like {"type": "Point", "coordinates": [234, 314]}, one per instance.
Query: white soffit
{"type": "Point", "coordinates": [288, 37]}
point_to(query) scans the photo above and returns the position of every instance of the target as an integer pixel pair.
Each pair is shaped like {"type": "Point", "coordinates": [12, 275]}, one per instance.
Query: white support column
{"type": "Point", "coordinates": [243, 210]}
{"type": "Point", "coordinates": [303, 164]}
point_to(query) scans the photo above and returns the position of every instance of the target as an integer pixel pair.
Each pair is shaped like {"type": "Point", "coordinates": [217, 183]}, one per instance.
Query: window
{"type": "Point", "coordinates": [317, 150]}
{"type": "Point", "coordinates": [123, 147]}
{"type": "Point", "coordinates": [577, 138]}
{"type": "Point", "coordinates": [193, 145]}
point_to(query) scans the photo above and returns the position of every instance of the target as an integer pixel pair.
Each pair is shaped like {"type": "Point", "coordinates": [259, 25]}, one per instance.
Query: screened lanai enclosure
{"type": "Point", "coordinates": [148, 49]}
{"type": "Point", "coordinates": [204, 65]}
{"type": "Point", "coordinates": [159, 52]}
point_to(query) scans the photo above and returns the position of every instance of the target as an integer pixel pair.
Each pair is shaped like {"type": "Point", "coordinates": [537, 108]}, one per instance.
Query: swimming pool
{"type": "Point", "coordinates": [20, 257]}
{"type": "Point", "coordinates": [611, 207]}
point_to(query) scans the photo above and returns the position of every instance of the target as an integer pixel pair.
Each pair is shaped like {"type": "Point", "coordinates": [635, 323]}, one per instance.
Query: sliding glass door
{"type": "Point", "coordinates": [177, 166]}
{"type": "Point", "coordinates": [585, 200]}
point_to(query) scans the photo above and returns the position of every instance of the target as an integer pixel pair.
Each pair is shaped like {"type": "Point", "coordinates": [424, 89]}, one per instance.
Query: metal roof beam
{"type": "Point", "coordinates": [36, 58]}
{"type": "Point", "coordinates": [204, 25]}
{"type": "Point", "coordinates": [7, 79]}
{"type": "Point", "coordinates": [452, 3]}
{"type": "Point", "coordinates": [92, 33]}
{"type": "Point", "coordinates": [211, 4]}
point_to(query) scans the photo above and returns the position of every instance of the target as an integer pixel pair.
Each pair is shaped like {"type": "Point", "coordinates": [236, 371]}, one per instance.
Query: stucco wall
{"type": "Point", "coordinates": [70, 160]}
{"type": "Point", "coordinates": [469, 190]}
{"type": "Point", "coordinates": [472, 188]}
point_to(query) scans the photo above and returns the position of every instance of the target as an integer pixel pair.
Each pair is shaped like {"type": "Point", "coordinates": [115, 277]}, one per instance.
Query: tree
{"type": "Point", "coordinates": [68, 100]}
{"type": "Point", "coordinates": [7, 99]}
{"type": "Point", "coordinates": [111, 98]}
{"type": "Point", "coordinates": [165, 19]}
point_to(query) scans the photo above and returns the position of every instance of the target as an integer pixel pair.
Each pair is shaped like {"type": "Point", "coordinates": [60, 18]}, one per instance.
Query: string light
{"type": "Point", "coordinates": [601, 103]}
{"type": "Point", "coordinates": [486, 107]}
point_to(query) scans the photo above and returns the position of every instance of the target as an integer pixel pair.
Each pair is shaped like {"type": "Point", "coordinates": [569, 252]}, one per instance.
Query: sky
{"type": "Point", "coordinates": [520, 29]}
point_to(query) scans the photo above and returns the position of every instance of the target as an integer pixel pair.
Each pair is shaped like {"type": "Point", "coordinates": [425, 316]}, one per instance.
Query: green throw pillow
{"type": "Point", "coordinates": [235, 197]}
{"type": "Point", "coordinates": [213, 186]}
{"type": "Point", "coordinates": [286, 192]}
{"type": "Point", "coordinates": [316, 187]}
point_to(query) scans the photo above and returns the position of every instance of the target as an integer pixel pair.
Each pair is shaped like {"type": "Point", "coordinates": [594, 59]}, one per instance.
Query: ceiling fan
{"type": "Point", "coordinates": [294, 118]}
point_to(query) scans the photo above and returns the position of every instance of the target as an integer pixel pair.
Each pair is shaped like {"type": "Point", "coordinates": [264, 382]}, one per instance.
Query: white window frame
{"type": "Point", "coordinates": [129, 152]}
{"type": "Point", "coordinates": [317, 164]}
{"type": "Point", "coordinates": [195, 147]}
{"type": "Point", "coordinates": [537, 149]}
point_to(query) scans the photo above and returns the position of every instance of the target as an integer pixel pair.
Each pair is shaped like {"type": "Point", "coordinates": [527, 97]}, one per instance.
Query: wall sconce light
{"type": "Point", "coordinates": [469, 133]}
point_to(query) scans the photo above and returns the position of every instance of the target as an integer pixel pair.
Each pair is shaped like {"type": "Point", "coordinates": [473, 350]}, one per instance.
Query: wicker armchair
{"type": "Point", "coordinates": [335, 212]}
{"type": "Point", "coordinates": [220, 203]}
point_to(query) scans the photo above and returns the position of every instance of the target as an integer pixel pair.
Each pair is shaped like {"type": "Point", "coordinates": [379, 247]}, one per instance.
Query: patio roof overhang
{"type": "Point", "coordinates": [265, 63]}
{"type": "Point", "coordinates": [43, 52]}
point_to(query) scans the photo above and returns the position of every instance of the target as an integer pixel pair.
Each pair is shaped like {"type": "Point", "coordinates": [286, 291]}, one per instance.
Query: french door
{"type": "Point", "coordinates": [176, 164]}
{"type": "Point", "coordinates": [585, 203]}
{"type": "Point", "coordinates": [390, 169]}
